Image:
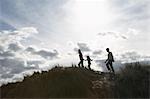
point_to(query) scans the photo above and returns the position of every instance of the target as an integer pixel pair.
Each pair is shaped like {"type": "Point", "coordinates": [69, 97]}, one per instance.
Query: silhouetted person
{"type": "Point", "coordinates": [89, 62]}
{"type": "Point", "coordinates": [81, 58]}
{"type": "Point", "coordinates": [109, 61]}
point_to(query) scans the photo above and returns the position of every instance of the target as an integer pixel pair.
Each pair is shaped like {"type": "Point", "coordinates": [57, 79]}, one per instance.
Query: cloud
{"type": "Point", "coordinates": [122, 58]}
{"type": "Point", "coordinates": [83, 47]}
{"type": "Point", "coordinates": [7, 76]}
{"type": "Point", "coordinates": [6, 54]}
{"type": "Point", "coordinates": [16, 65]}
{"type": "Point", "coordinates": [48, 54]}
{"type": "Point", "coordinates": [132, 13]}
{"type": "Point", "coordinates": [10, 67]}
{"type": "Point", "coordinates": [133, 56]}
{"type": "Point", "coordinates": [132, 31]}
{"type": "Point", "coordinates": [30, 49]}
{"type": "Point", "coordinates": [13, 70]}
{"type": "Point", "coordinates": [136, 9]}
{"type": "Point", "coordinates": [117, 64]}
{"type": "Point", "coordinates": [45, 19]}
{"type": "Point", "coordinates": [97, 52]}
{"type": "Point", "coordinates": [113, 34]}
{"type": "Point", "coordinates": [13, 66]}
{"type": "Point", "coordinates": [16, 36]}
{"type": "Point", "coordinates": [1, 48]}
{"type": "Point", "coordinates": [17, 59]}
{"type": "Point", "coordinates": [43, 53]}
{"type": "Point", "coordinates": [34, 63]}
{"type": "Point", "coordinates": [14, 47]}
{"type": "Point", "coordinates": [5, 25]}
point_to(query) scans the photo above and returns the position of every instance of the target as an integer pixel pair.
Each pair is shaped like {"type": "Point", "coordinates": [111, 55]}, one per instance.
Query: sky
{"type": "Point", "coordinates": [36, 35]}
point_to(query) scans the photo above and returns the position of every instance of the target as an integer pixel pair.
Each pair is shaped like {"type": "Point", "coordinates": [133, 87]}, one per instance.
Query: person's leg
{"type": "Point", "coordinates": [79, 64]}
{"type": "Point", "coordinates": [89, 66]}
{"type": "Point", "coordinates": [111, 65]}
{"type": "Point", "coordinates": [107, 65]}
{"type": "Point", "coordinates": [82, 63]}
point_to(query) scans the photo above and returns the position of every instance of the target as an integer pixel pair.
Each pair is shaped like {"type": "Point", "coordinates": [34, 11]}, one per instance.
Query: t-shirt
{"type": "Point", "coordinates": [81, 56]}
{"type": "Point", "coordinates": [110, 56]}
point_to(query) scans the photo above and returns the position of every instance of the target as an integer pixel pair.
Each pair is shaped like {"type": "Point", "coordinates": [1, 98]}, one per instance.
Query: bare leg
{"type": "Point", "coordinates": [107, 65]}
{"type": "Point", "coordinates": [82, 63]}
{"type": "Point", "coordinates": [89, 66]}
{"type": "Point", "coordinates": [112, 67]}
{"type": "Point", "coordinates": [79, 64]}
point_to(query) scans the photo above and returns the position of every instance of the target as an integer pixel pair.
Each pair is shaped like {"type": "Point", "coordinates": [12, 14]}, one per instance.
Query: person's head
{"type": "Point", "coordinates": [107, 49]}
{"type": "Point", "coordinates": [88, 57]}
{"type": "Point", "coordinates": [79, 51]}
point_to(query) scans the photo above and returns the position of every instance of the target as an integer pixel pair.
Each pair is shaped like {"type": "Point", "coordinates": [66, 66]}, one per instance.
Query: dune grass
{"type": "Point", "coordinates": [133, 81]}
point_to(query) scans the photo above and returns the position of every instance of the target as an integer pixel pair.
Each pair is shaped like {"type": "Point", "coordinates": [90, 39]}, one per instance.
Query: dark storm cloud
{"type": "Point", "coordinates": [83, 47]}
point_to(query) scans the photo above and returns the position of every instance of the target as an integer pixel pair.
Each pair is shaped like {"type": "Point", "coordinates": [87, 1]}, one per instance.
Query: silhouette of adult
{"type": "Point", "coordinates": [109, 61]}
{"type": "Point", "coordinates": [81, 58]}
{"type": "Point", "coordinates": [89, 62]}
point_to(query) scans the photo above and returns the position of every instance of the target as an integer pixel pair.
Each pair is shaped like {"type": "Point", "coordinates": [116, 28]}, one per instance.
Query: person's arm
{"type": "Point", "coordinates": [106, 60]}
{"type": "Point", "coordinates": [83, 58]}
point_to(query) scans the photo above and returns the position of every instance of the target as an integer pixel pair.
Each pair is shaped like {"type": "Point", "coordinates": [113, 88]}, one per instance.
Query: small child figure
{"type": "Point", "coordinates": [89, 62]}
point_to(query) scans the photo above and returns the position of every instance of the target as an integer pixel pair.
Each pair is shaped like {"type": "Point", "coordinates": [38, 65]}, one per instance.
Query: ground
{"type": "Point", "coordinates": [74, 82]}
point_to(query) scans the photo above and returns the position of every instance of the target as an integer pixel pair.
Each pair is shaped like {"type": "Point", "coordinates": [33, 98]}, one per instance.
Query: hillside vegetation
{"type": "Point", "coordinates": [72, 82]}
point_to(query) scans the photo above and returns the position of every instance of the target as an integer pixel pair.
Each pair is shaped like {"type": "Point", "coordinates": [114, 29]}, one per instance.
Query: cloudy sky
{"type": "Point", "coordinates": [38, 34]}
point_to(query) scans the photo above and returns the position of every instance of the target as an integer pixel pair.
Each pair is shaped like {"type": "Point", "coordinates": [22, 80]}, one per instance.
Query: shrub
{"type": "Point", "coordinates": [133, 81]}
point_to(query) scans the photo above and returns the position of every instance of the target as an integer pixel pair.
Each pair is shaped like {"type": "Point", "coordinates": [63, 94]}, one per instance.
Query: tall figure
{"type": "Point", "coordinates": [89, 62]}
{"type": "Point", "coordinates": [81, 58]}
{"type": "Point", "coordinates": [109, 61]}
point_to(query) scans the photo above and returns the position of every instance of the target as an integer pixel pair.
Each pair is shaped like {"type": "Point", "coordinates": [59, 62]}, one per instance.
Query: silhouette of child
{"type": "Point", "coordinates": [89, 62]}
